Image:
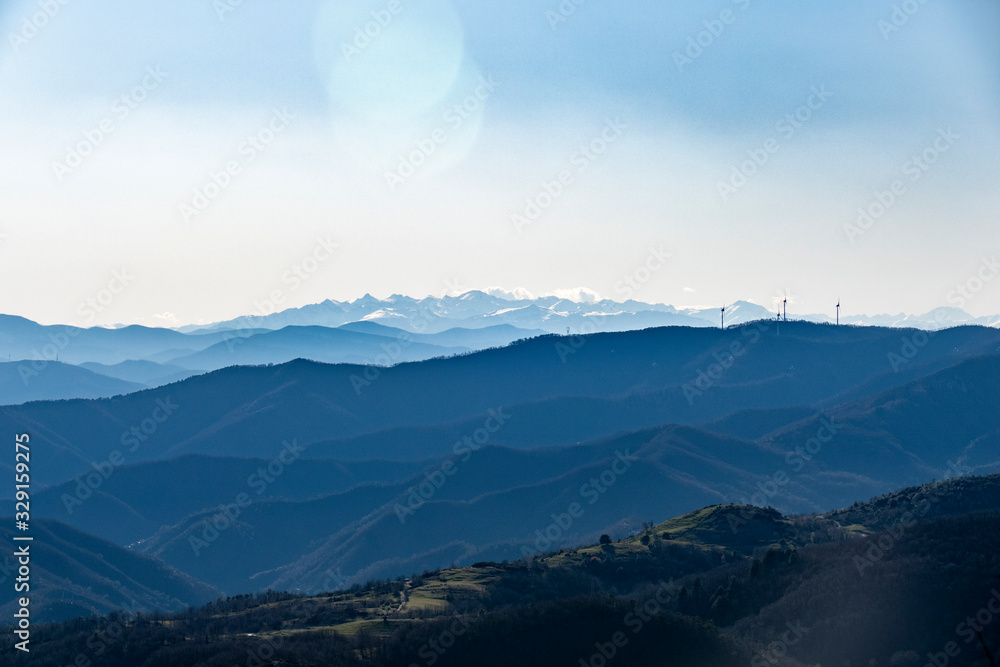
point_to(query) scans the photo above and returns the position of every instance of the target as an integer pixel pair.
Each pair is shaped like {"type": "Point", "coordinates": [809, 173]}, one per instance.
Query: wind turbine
{"type": "Point", "coordinates": [723, 317]}
{"type": "Point", "coordinates": [838, 311]}
{"type": "Point", "coordinates": [784, 308]}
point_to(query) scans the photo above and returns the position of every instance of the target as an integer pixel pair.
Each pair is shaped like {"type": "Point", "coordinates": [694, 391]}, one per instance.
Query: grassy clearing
{"type": "Point", "coordinates": [379, 628]}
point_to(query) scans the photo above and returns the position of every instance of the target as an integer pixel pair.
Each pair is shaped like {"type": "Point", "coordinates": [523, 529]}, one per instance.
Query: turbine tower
{"type": "Point", "coordinates": [838, 312]}
{"type": "Point", "coordinates": [784, 308]}
{"type": "Point", "coordinates": [723, 317]}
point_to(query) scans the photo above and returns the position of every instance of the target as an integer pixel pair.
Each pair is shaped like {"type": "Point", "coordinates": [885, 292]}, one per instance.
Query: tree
{"type": "Point", "coordinates": [605, 539]}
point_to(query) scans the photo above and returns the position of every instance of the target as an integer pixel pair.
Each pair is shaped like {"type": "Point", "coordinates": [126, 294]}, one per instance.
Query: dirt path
{"type": "Point", "coordinates": [403, 597]}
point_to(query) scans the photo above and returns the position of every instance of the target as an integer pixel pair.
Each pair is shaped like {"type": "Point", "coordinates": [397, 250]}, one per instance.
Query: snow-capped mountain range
{"type": "Point", "coordinates": [477, 309]}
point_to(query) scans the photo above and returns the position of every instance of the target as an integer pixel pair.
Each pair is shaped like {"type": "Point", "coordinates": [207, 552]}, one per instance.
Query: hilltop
{"type": "Point", "coordinates": [717, 586]}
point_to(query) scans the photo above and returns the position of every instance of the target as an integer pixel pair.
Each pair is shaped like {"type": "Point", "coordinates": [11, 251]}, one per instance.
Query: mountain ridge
{"type": "Point", "coordinates": [476, 308]}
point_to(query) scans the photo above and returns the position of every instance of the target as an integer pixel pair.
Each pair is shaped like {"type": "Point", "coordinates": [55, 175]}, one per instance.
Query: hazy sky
{"type": "Point", "coordinates": [194, 157]}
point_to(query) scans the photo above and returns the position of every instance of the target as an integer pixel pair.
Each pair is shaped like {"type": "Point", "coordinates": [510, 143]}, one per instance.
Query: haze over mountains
{"type": "Point", "coordinates": [296, 475]}
{"type": "Point", "coordinates": [58, 362]}
{"type": "Point", "coordinates": [19, 383]}
{"type": "Point", "coordinates": [326, 446]}
{"type": "Point", "coordinates": [366, 331]}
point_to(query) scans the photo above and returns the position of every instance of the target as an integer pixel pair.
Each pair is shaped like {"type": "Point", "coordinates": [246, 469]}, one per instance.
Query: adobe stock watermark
{"type": "Point", "coordinates": [225, 7]}
{"type": "Point", "coordinates": [910, 348]}
{"type": "Point", "coordinates": [392, 352]}
{"type": "Point", "coordinates": [969, 630]}
{"type": "Point", "coordinates": [370, 31]}
{"type": "Point", "coordinates": [119, 111]}
{"type": "Point", "coordinates": [899, 17]}
{"type": "Point", "coordinates": [88, 309]}
{"type": "Point", "coordinates": [968, 289]}
{"type": "Point", "coordinates": [32, 25]}
{"type": "Point", "coordinates": [248, 151]}
{"type": "Point", "coordinates": [108, 634]}
{"type": "Point", "coordinates": [915, 168]}
{"type": "Point", "coordinates": [592, 490]}
{"type": "Point", "coordinates": [138, 434]}
{"type": "Point", "coordinates": [551, 190]}
{"type": "Point", "coordinates": [959, 297]}
{"type": "Point", "coordinates": [562, 13]}
{"type": "Point", "coordinates": [263, 654]}
{"type": "Point", "coordinates": [452, 119]}
{"type": "Point", "coordinates": [334, 579]}
{"type": "Point", "coordinates": [297, 274]}
{"type": "Point", "coordinates": [211, 528]}
{"type": "Point", "coordinates": [567, 345]}
{"type": "Point", "coordinates": [636, 620]}
{"type": "Point", "coordinates": [804, 453]}
{"type": "Point", "coordinates": [293, 278]}
{"type": "Point", "coordinates": [31, 368]}
{"type": "Point", "coordinates": [776, 650]}
{"type": "Point", "coordinates": [760, 156]}
{"type": "Point", "coordinates": [434, 480]}
{"type": "Point", "coordinates": [708, 377]}
{"type": "Point", "coordinates": [628, 286]}
{"type": "Point", "coordinates": [634, 281]}
{"type": "Point", "coordinates": [703, 40]}
{"type": "Point", "coordinates": [796, 460]}
{"type": "Point", "coordinates": [436, 647]}
{"type": "Point", "coordinates": [886, 542]}
{"type": "Point", "coordinates": [96, 304]}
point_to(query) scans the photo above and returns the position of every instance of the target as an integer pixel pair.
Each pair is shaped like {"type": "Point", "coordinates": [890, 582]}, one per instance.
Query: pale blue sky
{"type": "Point", "coordinates": [552, 87]}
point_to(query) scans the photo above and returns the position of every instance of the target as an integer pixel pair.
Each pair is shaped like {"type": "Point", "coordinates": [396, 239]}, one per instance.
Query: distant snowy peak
{"type": "Point", "coordinates": [554, 313]}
